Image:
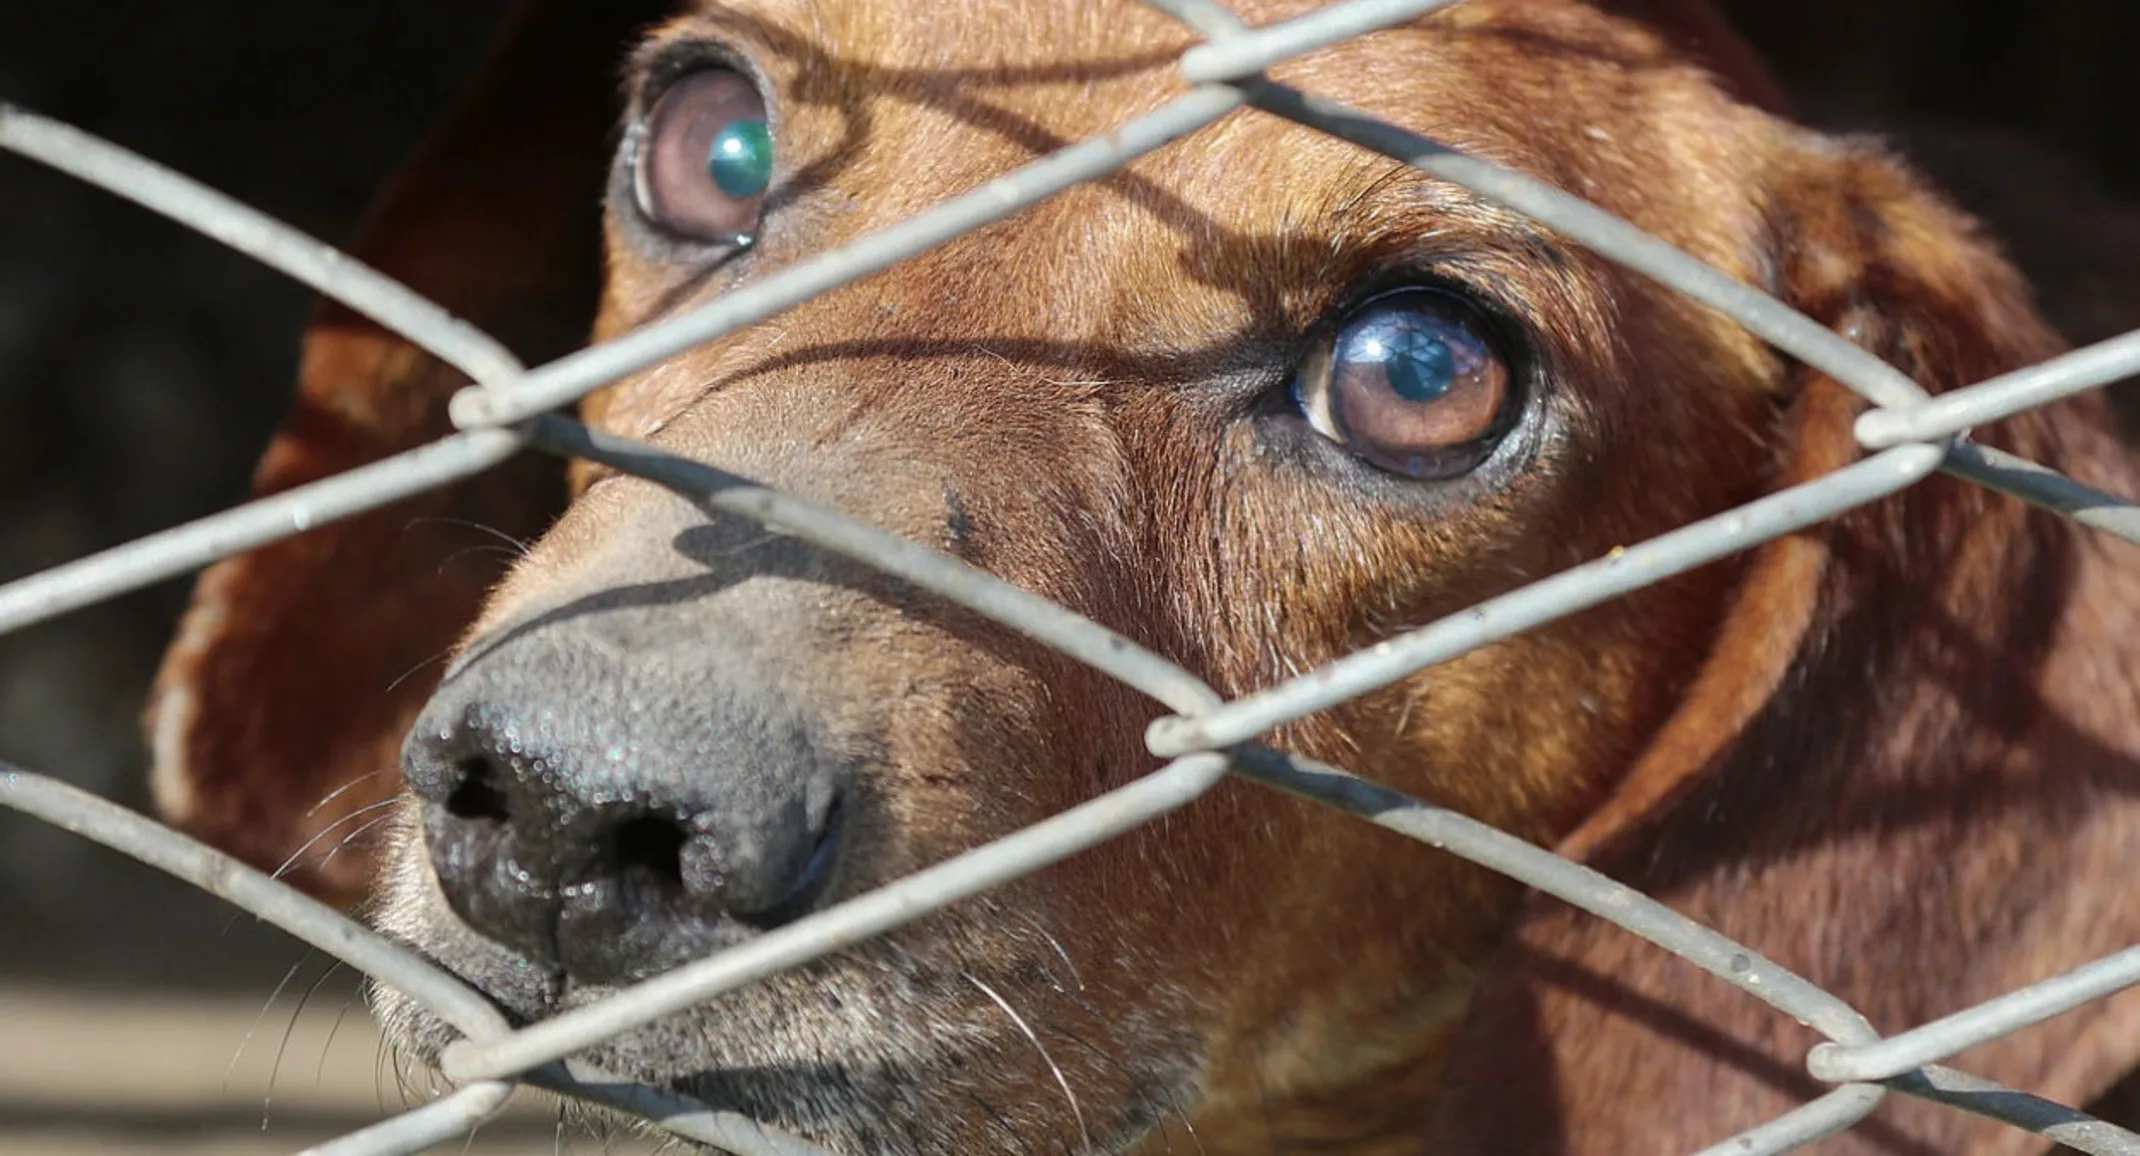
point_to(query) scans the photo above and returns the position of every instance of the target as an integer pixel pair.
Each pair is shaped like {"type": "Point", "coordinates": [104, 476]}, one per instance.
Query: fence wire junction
{"type": "Point", "coordinates": [1908, 436]}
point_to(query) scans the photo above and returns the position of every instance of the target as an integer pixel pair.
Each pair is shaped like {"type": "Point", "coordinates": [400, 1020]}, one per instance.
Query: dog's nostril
{"type": "Point", "coordinates": [803, 888]}
{"type": "Point", "coordinates": [651, 844]}
{"type": "Point", "coordinates": [479, 794]}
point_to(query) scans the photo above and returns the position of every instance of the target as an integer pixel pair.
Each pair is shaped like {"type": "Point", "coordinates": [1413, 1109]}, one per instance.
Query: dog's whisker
{"type": "Point", "coordinates": [517, 546]}
{"type": "Point", "coordinates": [403, 1089]}
{"type": "Point", "coordinates": [1061, 1081]}
{"type": "Point", "coordinates": [1174, 1105]}
{"type": "Point", "coordinates": [1404, 715]}
{"type": "Point", "coordinates": [411, 672]}
{"type": "Point", "coordinates": [447, 562]}
{"type": "Point", "coordinates": [238, 1053]}
{"type": "Point", "coordinates": [289, 1029]}
{"type": "Point", "coordinates": [319, 1073]}
{"type": "Point", "coordinates": [382, 1053]}
{"type": "Point", "coordinates": [344, 789]}
{"type": "Point", "coordinates": [1057, 945]}
{"type": "Point", "coordinates": [351, 839]}
{"type": "Point", "coordinates": [323, 832]}
{"type": "Point", "coordinates": [468, 1145]}
{"type": "Point", "coordinates": [1173, 1099]}
{"type": "Point", "coordinates": [1061, 382]}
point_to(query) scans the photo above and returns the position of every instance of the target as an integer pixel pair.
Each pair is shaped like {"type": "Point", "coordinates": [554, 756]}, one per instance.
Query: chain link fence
{"type": "Point", "coordinates": [1908, 436]}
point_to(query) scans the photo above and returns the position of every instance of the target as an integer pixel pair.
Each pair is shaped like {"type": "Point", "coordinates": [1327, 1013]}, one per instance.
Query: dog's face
{"type": "Point", "coordinates": [1258, 401]}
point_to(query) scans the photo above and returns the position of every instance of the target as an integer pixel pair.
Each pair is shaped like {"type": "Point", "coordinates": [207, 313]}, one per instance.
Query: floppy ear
{"type": "Point", "coordinates": [277, 718]}
{"type": "Point", "coordinates": [1905, 770]}
{"type": "Point", "coordinates": [1697, 30]}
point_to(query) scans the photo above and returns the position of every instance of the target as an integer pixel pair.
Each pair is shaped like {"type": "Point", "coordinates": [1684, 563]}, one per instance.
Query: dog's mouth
{"type": "Point", "coordinates": [887, 1045]}
{"type": "Point", "coordinates": [814, 1052]}
{"type": "Point", "coordinates": [851, 1054]}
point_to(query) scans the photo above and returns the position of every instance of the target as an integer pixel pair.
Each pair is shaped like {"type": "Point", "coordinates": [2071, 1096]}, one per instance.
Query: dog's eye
{"type": "Point", "coordinates": [1410, 383]}
{"type": "Point", "coordinates": [706, 158]}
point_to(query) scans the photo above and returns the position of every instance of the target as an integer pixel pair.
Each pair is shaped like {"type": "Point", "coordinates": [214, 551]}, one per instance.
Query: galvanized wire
{"type": "Point", "coordinates": [264, 239]}
{"type": "Point", "coordinates": [1602, 233]}
{"type": "Point", "coordinates": [1240, 54]}
{"type": "Point", "coordinates": [1543, 601]}
{"type": "Point", "coordinates": [1963, 1030]}
{"type": "Point", "coordinates": [2038, 486]}
{"type": "Point", "coordinates": [1207, 738]}
{"type": "Point", "coordinates": [448, 1118]}
{"type": "Point", "coordinates": [928, 890]}
{"type": "Point", "coordinates": [1854, 1065]}
{"type": "Point", "coordinates": [731, 1132]}
{"type": "Point", "coordinates": [184, 549]}
{"type": "Point", "coordinates": [2054, 1122]}
{"type": "Point", "coordinates": [101, 821]}
{"type": "Point", "coordinates": [1735, 963]}
{"type": "Point", "coordinates": [2003, 396]}
{"type": "Point", "coordinates": [932, 570]}
{"type": "Point", "coordinates": [570, 378]}
{"type": "Point", "coordinates": [1811, 1124]}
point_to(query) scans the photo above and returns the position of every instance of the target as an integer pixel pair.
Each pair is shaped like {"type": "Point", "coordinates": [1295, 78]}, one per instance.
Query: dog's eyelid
{"type": "Point", "coordinates": [663, 64]}
{"type": "Point", "coordinates": [1494, 300]}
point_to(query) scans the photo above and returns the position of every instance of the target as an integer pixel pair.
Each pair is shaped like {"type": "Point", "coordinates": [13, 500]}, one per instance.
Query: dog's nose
{"type": "Point", "coordinates": [614, 816]}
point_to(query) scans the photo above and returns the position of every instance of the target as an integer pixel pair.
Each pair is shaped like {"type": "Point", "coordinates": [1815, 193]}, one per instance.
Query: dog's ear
{"type": "Point", "coordinates": [1698, 31]}
{"type": "Point", "coordinates": [1897, 774]}
{"type": "Point", "coordinates": [278, 715]}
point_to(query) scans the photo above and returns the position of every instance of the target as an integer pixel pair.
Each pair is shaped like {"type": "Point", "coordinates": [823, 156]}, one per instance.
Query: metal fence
{"type": "Point", "coordinates": [1908, 435]}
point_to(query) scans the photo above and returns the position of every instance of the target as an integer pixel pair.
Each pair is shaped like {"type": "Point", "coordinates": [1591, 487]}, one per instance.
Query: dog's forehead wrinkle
{"type": "Point", "coordinates": [1233, 258]}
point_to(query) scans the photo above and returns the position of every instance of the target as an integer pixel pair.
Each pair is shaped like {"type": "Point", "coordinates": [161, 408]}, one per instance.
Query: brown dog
{"type": "Point", "coordinates": [1256, 402]}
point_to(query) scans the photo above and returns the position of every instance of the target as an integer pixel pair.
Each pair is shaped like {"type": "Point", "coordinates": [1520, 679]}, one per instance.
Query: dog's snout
{"type": "Point", "coordinates": [613, 817]}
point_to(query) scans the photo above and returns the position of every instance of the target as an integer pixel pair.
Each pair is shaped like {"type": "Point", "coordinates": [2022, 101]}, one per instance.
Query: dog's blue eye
{"type": "Point", "coordinates": [1411, 383]}
{"type": "Point", "coordinates": [704, 158]}
{"type": "Point", "coordinates": [742, 160]}
{"type": "Point", "coordinates": [1418, 362]}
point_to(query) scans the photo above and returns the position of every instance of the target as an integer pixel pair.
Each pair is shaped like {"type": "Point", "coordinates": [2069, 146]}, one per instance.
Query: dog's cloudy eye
{"type": "Point", "coordinates": [706, 158]}
{"type": "Point", "coordinates": [1410, 383]}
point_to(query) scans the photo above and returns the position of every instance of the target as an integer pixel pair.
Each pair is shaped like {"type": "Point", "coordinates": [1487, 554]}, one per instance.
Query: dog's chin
{"type": "Point", "coordinates": [876, 1054]}
{"type": "Point", "coordinates": [817, 1055]}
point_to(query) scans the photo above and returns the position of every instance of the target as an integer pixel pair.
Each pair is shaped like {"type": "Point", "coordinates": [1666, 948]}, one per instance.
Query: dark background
{"type": "Point", "coordinates": [142, 367]}
{"type": "Point", "coordinates": [2058, 72]}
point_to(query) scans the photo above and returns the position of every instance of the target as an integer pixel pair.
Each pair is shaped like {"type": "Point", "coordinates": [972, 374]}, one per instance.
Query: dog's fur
{"type": "Point", "coordinates": [1895, 753]}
